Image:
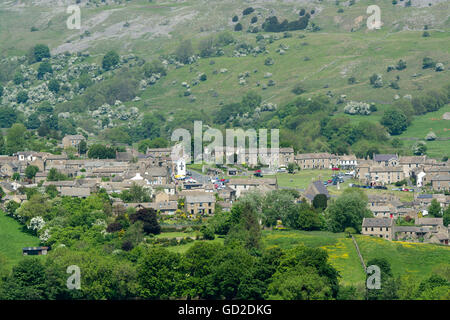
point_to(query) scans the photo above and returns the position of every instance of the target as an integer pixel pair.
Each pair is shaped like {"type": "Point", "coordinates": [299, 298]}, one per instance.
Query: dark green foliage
{"type": "Point", "coordinates": [53, 86]}
{"type": "Point", "coordinates": [347, 211]}
{"type": "Point", "coordinates": [155, 66]}
{"type": "Point", "coordinates": [272, 24]}
{"type": "Point", "coordinates": [99, 151]}
{"type": "Point", "coordinates": [184, 51]}
{"type": "Point", "coordinates": [148, 218]}
{"type": "Point", "coordinates": [247, 11]}
{"type": "Point", "coordinates": [238, 27]}
{"type": "Point", "coordinates": [320, 202]}
{"type": "Point", "coordinates": [428, 63]}
{"type": "Point", "coordinates": [33, 121]}
{"type": "Point", "coordinates": [44, 67]}
{"type": "Point", "coordinates": [55, 175]}
{"type": "Point", "coordinates": [110, 60]}
{"type": "Point", "coordinates": [30, 171]}
{"type": "Point", "coordinates": [40, 51]}
{"type": "Point", "coordinates": [22, 97]}
{"type": "Point", "coordinates": [8, 116]}
{"type": "Point", "coordinates": [395, 121]}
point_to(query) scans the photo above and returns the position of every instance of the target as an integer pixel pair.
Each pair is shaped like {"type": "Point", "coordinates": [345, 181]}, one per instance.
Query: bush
{"type": "Point", "coordinates": [298, 89]}
{"type": "Point", "coordinates": [40, 51]}
{"type": "Point", "coordinates": [427, 63]}
{"type": "Point", "coordinates": [247, 11]}
{"type": "Point", "coordinates": [401, 65]}
{"type": "Point", "coordinates": [110, 60]}
{"type": "Point", "coordinates": [238, 27]}
{"type": "Point", "coordinates": [22, 97]}
{"type": "Point", "coordinates": [235, 19]}
{"type": "Point", "coordinates": [44, 67]}
{"type": "Point", "coordinates": [53, 86]}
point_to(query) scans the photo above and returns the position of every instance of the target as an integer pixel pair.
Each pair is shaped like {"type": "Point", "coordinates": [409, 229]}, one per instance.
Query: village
{"type": "Point", "coordinates": [170, 182]}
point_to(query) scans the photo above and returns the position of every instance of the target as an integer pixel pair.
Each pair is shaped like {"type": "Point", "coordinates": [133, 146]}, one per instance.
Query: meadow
{"type": "Point", "coordinates": [13, 239]}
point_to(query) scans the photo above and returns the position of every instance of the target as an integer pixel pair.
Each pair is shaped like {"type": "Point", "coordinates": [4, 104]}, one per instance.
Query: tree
{"type": "Point", "coordinates": [320, 202]}
{"type": "Point", "coordinates": [428, 62]}
{"type": "Point", "coordinates": [44, 67]}
{"type": "Point", "coordinates": [435, 210]}
{"type": "Point", "coordinates": [348, 210]}
{"type": "Point", "coordinates": [110, 60]}
{"type": "Point", "coordinates": [308, 219]}
{"type": "Point", "coordinates": [184, 51]}
{"type": "Point", "coordinates": [148, 217]}
{"type": "Point", "coordinates": [247, 11]}
{"type": "Point", "coordinates": [53, 86]}
{"type": "Point", "coordinates": [22, 97]}
{"type": "Point", "coordinates": [154, 67]}
{"type": "Point", "coordinates": [15, 138]}
{"type": "Point", "coordinates": [291, 167]}
{"type": "Point", "coordinates": [99, 151]}
{"type": "Point", "coordinates": [401, 65]}
{"type": "Point", "coordinates": [395, 121]}
{"type": "Point", "coordinates": [41, 51]}
{"type": "Point", "coordinates": [8, 116]}
{"type": "Point", "coordinates": [26, 282]}
{"type": "Point", "coordinates": [238, 27]}
{"type": "Point", "coordinates": [419, 148]}
{"type": "Point", "coordinates": [304, 274]}
{"type": "Point", "coordinates": [389, 285]}
{"type": "Point", "coordinates": [82, 147]}
{"type": "Point", "coordinates": [84, 81]}
{"type": "Point", "coordinates": [245, 229]}
{"type": "Point", "coordinates": [30, 171]}
{"type": "Point", "coordinates": [55, 175]}
{"type": "Point", "coordinates": [33, 121]}
{"type": "Point", "coordinates": [446, 216]}
{"type": "Point", "coordinates": [1, 90]}
{"type": "Point", "coordinates": [158, 274]}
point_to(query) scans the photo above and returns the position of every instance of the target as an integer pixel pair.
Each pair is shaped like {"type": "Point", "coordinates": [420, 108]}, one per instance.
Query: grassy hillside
{"type": "Point", "coordinates": [434, 122]}
{"type": "Point", "coordinates": [13, 239]}
{"type": "Point", "coordinates": [415, 258]}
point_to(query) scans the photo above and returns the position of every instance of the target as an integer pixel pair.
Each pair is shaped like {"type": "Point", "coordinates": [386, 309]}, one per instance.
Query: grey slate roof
{"type": "Point", "coordinates": [377, 222]}
{"type": "Point", "coordinates": [384, 157]}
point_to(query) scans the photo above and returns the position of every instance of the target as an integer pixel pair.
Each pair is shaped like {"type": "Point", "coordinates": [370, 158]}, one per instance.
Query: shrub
{"type": "Point", "coordinates": [235, 19]}
{"type": "Point", "coordinates": [439, 67]}
{"type": "Point", "coordinates": [53, 86]}
{"type": "Point", "coordinates": [22, 97]}
{"type": "Point", "coordinates": [238, 27]}
{"type": "Point", "coordinates": [247, 11]}
{"type": "Point", "coordinates": [40, 51]}
{"type": "Point", "coordinates": [401, 65]}
{"type": "Point", "coordinates": [427, 63]}
{"type": "Point", "coordinates": [110, 60]}
{"type": "Point", "coordinates": [298, 89]}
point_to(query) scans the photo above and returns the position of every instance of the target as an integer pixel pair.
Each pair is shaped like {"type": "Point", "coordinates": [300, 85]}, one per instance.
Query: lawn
{"type": "Point", "coordinates": [341, 251]}
{"type": "Point", "coordinates": [13, 239]}
{"type": "Point", "coordinates": [404, 257]}
{"type": "Point", "coordinates": [185, 247]}
{"type": "Point", "coordinates": [301, 179]}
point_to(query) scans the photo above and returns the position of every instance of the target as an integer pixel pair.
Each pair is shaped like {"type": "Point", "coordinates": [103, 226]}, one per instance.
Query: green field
{"type": "Point", "coordinates": [302, 178]}
{"type": "Point", "coordinates": [422, 125]}
{"type": "Point", "coordinates": [416, 258]}
{"type": "Point", "coordinates": [13, 239]}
